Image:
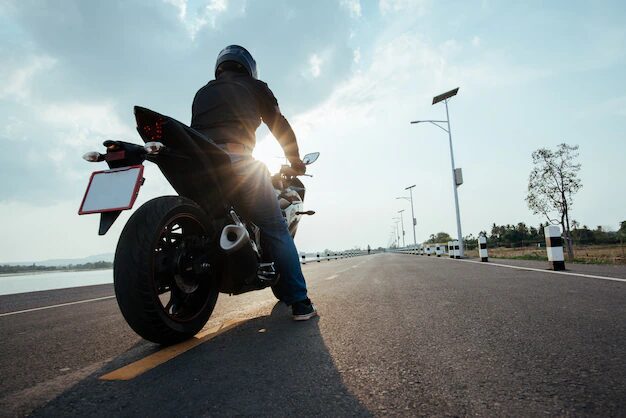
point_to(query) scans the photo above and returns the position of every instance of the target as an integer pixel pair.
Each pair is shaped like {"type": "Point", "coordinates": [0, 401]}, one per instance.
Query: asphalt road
{"type": "Point", "coordinates": [398, 335]}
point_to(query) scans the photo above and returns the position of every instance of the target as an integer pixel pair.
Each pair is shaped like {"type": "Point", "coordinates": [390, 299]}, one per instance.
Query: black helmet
{"type": "Point", "coordinates": [238, 54]}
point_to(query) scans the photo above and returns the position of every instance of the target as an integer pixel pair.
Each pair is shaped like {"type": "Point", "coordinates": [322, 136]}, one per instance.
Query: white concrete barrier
{"type": "Point", "coordinates": [554, 247]}
{"type": "Point", "coordinates": [482, 248]}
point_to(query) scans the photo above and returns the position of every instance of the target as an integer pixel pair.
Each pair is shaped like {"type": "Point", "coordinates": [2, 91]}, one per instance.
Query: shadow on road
{"type": "Point", "coordinates": [269, 365]}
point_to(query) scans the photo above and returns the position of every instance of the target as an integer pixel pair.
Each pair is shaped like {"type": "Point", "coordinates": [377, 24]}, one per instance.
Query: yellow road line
{"type": "Point", "coordinates": [139, 367]}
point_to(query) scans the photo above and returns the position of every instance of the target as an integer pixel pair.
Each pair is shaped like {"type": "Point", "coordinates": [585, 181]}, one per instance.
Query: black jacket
{"type": "Point", "coordinates": [231, 108]}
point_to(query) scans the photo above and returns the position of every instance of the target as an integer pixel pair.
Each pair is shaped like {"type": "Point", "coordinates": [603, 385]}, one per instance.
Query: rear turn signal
{"type": "Point", "coordinates": [153, 147]}
{"type": "Point", "coordinates": [93, 157]}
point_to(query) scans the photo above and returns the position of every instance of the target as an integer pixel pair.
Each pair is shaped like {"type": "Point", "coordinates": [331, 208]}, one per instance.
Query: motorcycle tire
{"type": "Point", "coordinates": [138, 275]}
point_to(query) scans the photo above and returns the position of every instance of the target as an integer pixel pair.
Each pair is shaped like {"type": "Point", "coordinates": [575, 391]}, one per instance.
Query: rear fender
{"type": "Point", "coordinates": [204, 174]}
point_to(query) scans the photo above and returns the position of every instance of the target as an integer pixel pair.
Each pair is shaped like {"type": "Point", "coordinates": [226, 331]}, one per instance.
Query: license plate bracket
{"type": "Point", "coordinates": [112, 190]}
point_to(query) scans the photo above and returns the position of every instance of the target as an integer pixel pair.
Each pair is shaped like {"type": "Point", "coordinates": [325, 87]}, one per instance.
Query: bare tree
{"type": "Point", "coordinates": [552, 184]}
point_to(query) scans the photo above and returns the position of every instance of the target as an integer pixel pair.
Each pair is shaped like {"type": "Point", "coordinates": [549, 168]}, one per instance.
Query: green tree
{"type": "Point", "coordinates": [440, 237]}
{"type": "Point", "coordinates": [622, 230]}
{"type": "Point", "coordinates": [552, 183]}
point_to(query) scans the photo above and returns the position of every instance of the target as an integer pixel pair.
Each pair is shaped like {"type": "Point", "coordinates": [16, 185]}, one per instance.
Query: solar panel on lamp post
{"type": "Point", "coordinates": [444, 97]}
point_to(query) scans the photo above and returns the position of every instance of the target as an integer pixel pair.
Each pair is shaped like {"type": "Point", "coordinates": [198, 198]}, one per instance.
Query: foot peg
{"type": "Point", "coordinates": [267, 275]}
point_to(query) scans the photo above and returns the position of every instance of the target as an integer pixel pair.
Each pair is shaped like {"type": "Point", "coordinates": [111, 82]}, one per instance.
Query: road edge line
{"type": "Point", "coordinates": [565, 273]}
{"type": "Point", "coordinates": [41, 308]}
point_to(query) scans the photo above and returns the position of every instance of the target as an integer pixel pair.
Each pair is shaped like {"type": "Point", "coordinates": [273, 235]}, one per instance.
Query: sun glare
{"type": "Point", "coordinates": [268, 151]}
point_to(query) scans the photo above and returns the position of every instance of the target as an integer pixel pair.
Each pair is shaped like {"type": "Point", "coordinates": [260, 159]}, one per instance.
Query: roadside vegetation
{"type": "Point", "coordinates": [585, 254]}
{"type": "Point", "coordinates": [599, 245]}
{"type": "Point", "coordinates": [552, 184]}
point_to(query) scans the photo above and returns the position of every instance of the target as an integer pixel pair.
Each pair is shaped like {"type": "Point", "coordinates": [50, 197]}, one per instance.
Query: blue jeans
{"type": "Point", "coordinates": [257, 202]}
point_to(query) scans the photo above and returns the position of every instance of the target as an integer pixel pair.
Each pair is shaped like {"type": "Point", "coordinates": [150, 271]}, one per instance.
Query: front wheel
{"type": "Point", "coordinates": [162, 274]}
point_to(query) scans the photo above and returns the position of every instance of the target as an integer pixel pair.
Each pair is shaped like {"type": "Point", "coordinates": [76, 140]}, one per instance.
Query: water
{"type": "Point", "coordinates": [33, 282]}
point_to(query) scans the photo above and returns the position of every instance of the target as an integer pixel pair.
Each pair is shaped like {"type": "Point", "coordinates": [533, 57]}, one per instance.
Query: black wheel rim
{"type": "Point", "coordinates": [181, 271]}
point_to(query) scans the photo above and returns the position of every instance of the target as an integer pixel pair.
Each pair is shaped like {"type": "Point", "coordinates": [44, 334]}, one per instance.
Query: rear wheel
{"type": "Point", "coordinates": [162, 275]}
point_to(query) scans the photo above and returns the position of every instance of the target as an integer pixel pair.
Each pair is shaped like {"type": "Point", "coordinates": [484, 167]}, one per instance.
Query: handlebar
{"type": "Point", "coordinates": [287, 171]}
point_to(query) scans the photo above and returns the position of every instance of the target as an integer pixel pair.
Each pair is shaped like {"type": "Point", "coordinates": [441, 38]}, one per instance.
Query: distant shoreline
{"type": "Point", "coordinates": [35, 272]}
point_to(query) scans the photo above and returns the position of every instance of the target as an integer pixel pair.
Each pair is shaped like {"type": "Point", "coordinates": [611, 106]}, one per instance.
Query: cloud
{"type": "Point", "coordinates": [181, 5]}
{"type": "Point", "coordinates": [13, 129]}
{"type": "Point", "coordinates": [476, 41]}
{"type": "Point", "coordinates": [315, 63]}
{"type": "Point", "coordinates": [51, 139]}
{"type": "Point", "coordinates": [356, 55]}
{"type": "Point", "coordinates": [18, 79]}
{"type": "Point", "coordinates": [203, 15]}
{"type": "Point", "coordinates": [367, 115]}
{"type": "Point", "coordinates": [417, 7]}
{"type": "Point", "coordinates": [352, 6]}
{"type": "Point", "coordinates": [80, 127]}
{"type": "Point", "coordinates": [78, 124]}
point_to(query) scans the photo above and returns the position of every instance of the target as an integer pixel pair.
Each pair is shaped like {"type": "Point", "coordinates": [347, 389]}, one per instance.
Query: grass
{"type": "Point", "coordinates": [587, 254]}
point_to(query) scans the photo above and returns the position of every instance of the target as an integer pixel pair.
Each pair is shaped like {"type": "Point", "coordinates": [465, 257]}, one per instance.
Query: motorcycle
{"type": "Point", "coordinates": [177, 253]}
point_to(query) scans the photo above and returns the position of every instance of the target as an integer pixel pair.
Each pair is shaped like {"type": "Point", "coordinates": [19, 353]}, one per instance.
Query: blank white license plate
{"type": "Point", "coordinates": [112, 190]}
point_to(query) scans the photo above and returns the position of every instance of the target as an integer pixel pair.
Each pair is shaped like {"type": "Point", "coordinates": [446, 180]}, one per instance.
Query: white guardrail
{"type": "Point", "coordinates": [435, 250]}
{"type": "Point", "coordinates": [552, 233]}
{"type": "Point", "coordinates": [319, 257]}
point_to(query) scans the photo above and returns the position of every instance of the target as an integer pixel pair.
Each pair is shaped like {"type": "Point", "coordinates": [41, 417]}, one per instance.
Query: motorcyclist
{"type": "Point", "coordinates": [228, 110]}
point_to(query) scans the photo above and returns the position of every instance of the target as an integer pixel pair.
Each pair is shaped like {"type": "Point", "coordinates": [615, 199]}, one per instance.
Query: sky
{"type": "Point", "coordinates": [349, 75]}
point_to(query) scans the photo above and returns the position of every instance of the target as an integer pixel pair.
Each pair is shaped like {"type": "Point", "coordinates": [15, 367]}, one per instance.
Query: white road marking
{"type": "Point", "coordinates": [565, 273]}
{"type": "Point", "coordinates": [334, 276]}
{"type": "Point", "coordinates": [56, 306]}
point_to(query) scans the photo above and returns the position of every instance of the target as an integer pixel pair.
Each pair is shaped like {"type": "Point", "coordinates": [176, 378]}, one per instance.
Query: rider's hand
{"type": "Point", "coordinates": [298, 166]}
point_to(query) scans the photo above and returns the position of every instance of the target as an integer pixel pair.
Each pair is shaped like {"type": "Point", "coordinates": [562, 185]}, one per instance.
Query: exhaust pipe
{"type": "Point", "coordinates": [233, 238]}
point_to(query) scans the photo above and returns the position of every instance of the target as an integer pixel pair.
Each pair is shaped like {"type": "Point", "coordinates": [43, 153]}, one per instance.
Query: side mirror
{"type": "Point", "coordinates": [310, 158]}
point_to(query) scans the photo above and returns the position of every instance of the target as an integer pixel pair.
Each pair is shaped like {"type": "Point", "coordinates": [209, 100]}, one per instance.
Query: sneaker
{"type": "Point", "coordinates": [303, 310]}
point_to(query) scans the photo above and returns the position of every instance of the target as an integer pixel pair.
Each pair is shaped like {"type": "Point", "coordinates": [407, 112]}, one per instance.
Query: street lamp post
{"type": "Point", "coordinates": [413, 220]}
{"type": "Point", "coordinates": [402, 222]}
{"type": "Point", "coordinates": [455, 184]}
{"type": "Point", "coordinates": [393, 237]}
{"type": "Point", "coordinates": [397, 221]}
